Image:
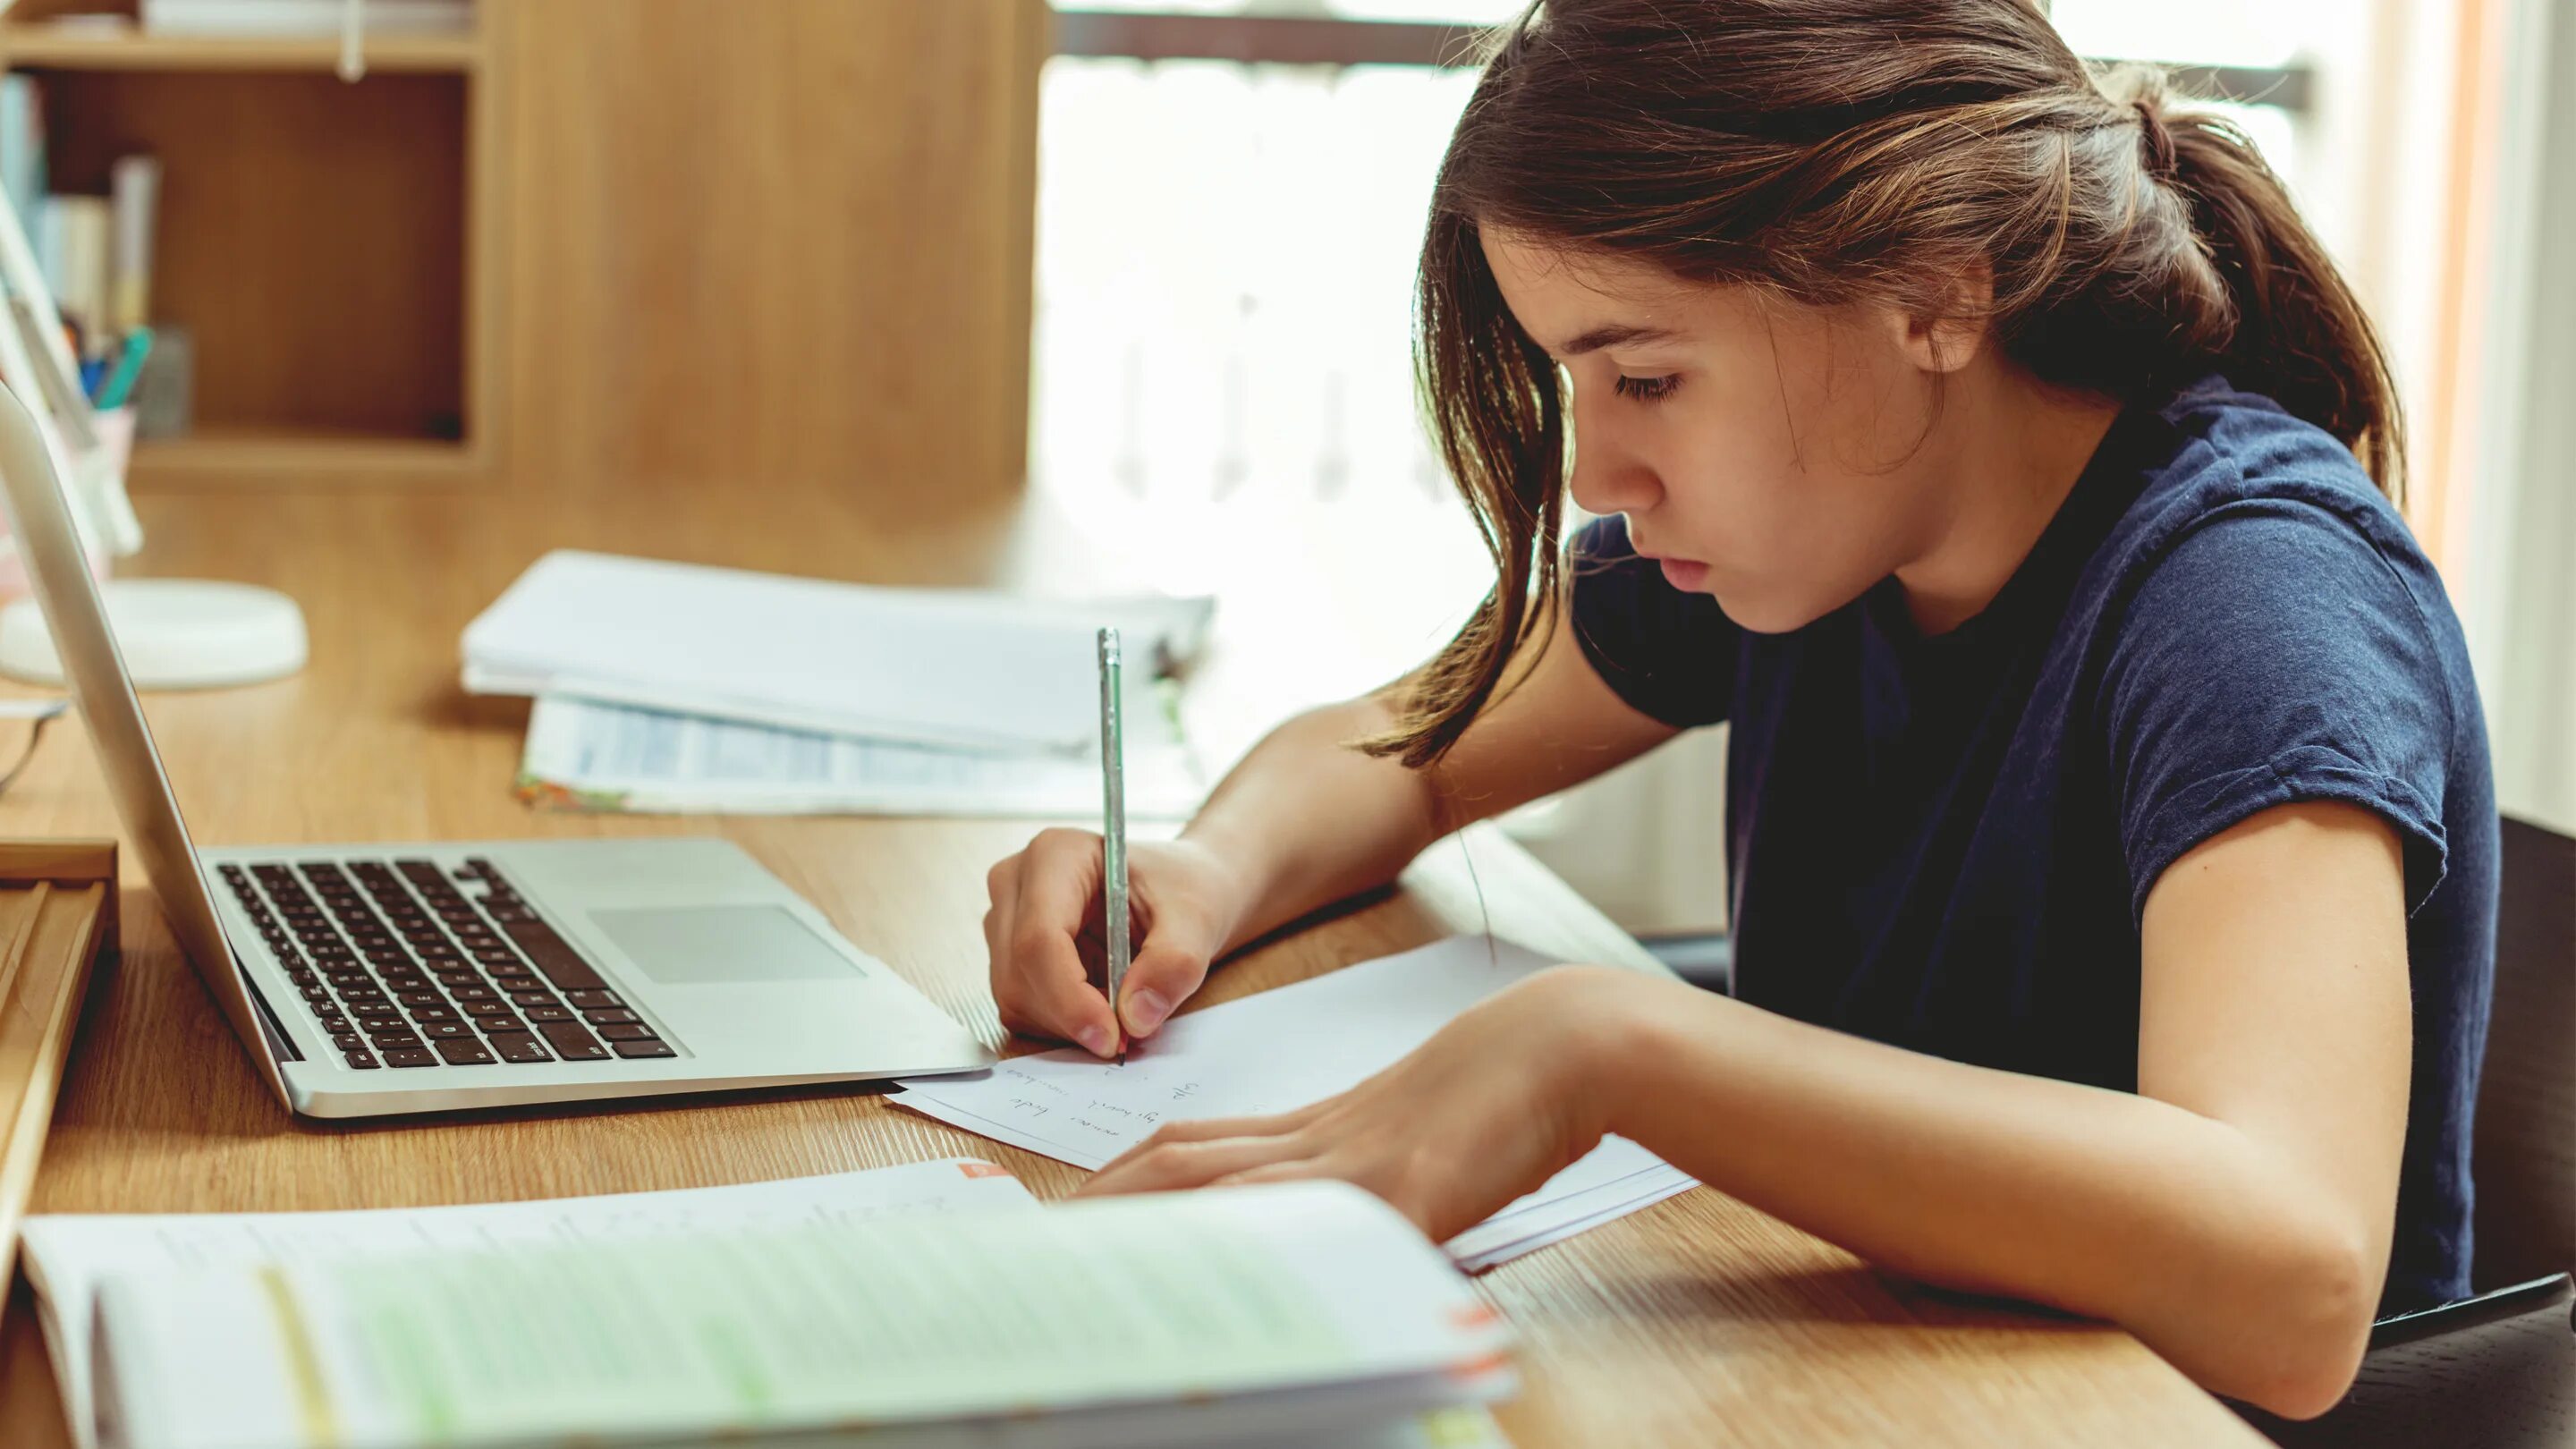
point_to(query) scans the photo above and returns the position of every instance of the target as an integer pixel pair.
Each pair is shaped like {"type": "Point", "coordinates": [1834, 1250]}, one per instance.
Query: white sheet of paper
{"type": "Point", "coordinates": [949, 667]}
{"type": "Point", "coordinates": [621, 757]}
{"type": "Point", "coordinates": [1269, 1053]}
{"type": "Point", "coordinates": [68, 1254]}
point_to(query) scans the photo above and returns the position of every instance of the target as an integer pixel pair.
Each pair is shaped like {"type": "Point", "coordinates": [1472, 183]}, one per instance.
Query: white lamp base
{"type": "Point", "coordinates": [174, 634]}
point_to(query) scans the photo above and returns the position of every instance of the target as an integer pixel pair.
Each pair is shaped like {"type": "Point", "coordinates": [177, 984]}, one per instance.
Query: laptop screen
{"type": "Point", "coordinates": [49, 545]}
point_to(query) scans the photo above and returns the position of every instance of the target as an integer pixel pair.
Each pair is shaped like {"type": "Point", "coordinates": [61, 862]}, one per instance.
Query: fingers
{"type": "Point", "coordinates": [1163, 975]}
{"type": "Point", "coordinates": [1175, 1165]}
{"type": "Point", "coordinates": [1039, 982]}
{"type": "Point", "coordinates": [1172, 1134]}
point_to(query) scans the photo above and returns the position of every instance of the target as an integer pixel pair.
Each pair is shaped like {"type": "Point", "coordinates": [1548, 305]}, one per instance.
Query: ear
{"type": "Point", "coordinates": [1948, 335]}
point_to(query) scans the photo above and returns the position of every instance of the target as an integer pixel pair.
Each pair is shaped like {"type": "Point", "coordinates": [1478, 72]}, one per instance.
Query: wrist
{"type": "Point", "coordinates": [1238, 872]}
{"type": "Point", "coordinates": [1606, 1020]}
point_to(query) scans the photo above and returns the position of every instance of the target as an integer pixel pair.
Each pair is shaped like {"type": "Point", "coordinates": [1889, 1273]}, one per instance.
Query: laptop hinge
{"type": "Point", "coordinates": [280, 1046]}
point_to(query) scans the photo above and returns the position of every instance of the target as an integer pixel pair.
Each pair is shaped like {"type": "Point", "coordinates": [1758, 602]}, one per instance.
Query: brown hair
{"type": "Point", "coordinates": [1831, 151]}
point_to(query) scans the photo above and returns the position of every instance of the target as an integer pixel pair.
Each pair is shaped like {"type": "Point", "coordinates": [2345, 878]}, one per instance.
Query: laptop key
{"type": "Point", "coordinates": [589, 999]}
{"type": "Point", "coordinates": [613, 1014]}
{"type": "Point", "coordinates": [465, 1052]}
{"type": "Point", "coordinates": [573, 1042]}
{"type": "Point", "coordinates": [627, 1031]}
{"type": "Point", "coordinates": [487, 1008]}
{"type": "Point", "coordinates": [555, 956]}
{"type": "Point", "coordinates": [501, 1025]}
{"type": "Point", "coordinates": [445, 1030]}
{"type": "Point", "coordinates": [532, 998]}
{"type": "Point", "coordinates": [360, 1060]}
{"type": "Point", "coordinates": [520, 1048]}
{"type": "Point", "coordinates": [645, 1047]}
{"type": "Point", "coordinates": [411, 1057]}
{"type": "Point", "coordinates": [348, 1041]}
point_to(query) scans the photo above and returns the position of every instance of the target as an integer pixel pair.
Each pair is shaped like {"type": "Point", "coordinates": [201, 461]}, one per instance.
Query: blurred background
{"type": "Point", "coordinates": [1143, 268]}
{"type": "Point", "coordinates": [1225, 251]}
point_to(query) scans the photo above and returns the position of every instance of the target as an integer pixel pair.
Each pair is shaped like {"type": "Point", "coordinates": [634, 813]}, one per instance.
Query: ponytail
{"type": "Point", "coordinates": [2293, 330]}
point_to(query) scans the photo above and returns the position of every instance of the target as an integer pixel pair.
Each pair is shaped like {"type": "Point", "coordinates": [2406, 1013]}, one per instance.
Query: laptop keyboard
{"type": "Point", "coordinates": [405, 969]}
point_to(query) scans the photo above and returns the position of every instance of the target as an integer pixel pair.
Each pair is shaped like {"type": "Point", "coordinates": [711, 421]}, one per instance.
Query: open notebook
{"type": "Point", "coordinates": [933, 1305]}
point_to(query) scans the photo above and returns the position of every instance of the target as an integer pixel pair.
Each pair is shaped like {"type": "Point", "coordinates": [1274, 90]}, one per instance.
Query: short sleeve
{"type": "Point", "coordinates": [2274, 654]}
{"type": "Point", "coordinates": [1669, 654]}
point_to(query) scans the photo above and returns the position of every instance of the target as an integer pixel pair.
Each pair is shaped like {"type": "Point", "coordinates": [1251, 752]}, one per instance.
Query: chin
{"type": "Point", "coordinates": [1765, 613]}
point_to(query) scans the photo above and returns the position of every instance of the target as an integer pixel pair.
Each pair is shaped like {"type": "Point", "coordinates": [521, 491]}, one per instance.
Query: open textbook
{"type": "Point", "coordinates": [931, 1305]}
{"type": "Point", "coordinates": [1277, 1051]}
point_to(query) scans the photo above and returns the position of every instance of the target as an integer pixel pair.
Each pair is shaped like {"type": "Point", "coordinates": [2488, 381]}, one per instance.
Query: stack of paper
{"type": "Point", "coordinates": [611, 757]}
{"type": "Point", "coordinates": [1278, 1051]}
{"type": "Point", "coordinates": [678, 688]}
{"type": "Point", "coordinates": [348, 1296]}
{"type": "Point", "coordinates": [949, 668]}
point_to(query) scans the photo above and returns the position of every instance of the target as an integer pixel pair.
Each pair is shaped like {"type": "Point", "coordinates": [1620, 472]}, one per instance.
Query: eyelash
{"type": "Point", "coordinates": [1646, 389]}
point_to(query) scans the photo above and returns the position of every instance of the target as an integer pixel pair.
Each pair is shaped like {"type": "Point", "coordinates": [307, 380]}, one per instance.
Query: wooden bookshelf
{"type": "Point", "coordinates": [343, 299]}
{"type": "Point", "coordinates": [40, 45]}
{"type": "Point", "coordinates": [739, 242]}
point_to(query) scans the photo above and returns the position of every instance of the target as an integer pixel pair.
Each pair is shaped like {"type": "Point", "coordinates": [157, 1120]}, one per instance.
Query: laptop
{"type": "Point", "coordinates": [379, 980]}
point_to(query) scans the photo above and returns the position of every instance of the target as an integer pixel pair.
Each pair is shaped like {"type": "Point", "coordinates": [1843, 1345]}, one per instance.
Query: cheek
{"type": "Point", "coordinates": [1784, 546]}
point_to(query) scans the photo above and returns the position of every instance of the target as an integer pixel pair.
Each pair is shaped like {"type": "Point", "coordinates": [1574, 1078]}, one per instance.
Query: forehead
{"type": "Point", "coordinates": [1558, 293]}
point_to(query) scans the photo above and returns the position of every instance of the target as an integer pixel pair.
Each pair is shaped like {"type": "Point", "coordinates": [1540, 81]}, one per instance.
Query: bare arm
{"type": "Point", "coordinates": [2235, 1213]}
{"type": "Point", "coordinates": [1308, 820]}
{"type": "Point", "coordinates": [1302, 821]}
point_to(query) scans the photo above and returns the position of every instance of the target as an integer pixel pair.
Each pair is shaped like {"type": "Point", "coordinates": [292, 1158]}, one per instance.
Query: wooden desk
{"type": "Point", "coordinates": [1698, 1321]}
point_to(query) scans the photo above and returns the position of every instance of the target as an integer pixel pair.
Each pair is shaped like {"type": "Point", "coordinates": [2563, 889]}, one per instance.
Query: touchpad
{"type": "Point", "coordinates": [715, 945]}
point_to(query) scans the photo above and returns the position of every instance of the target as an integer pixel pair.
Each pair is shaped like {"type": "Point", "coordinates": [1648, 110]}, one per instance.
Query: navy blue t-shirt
{"type": "Point", "coordinates": [1946, 842]}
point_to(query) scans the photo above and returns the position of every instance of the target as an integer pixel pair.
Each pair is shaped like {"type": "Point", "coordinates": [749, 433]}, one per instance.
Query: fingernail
{"type": "Point", "coordinates": [1146, 1010]}
{"type": "Point", "coordinates": [1098, 1040]}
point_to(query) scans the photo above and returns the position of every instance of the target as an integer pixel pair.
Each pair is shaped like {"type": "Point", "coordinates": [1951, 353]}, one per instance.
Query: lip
{"type": "Point", "coordinates": [1688, 575]}
{"type": "Point", "coordinates": [1683, 574]}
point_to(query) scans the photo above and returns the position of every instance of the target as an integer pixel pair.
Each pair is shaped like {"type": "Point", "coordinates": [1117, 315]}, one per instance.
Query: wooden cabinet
{"type": "Point", "coordinates": [747, 244]}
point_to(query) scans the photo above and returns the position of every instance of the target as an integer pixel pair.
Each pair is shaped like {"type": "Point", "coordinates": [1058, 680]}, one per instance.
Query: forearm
{"type": "Point", "coordinates": [1308, 820]}
{"type": "Point", "coordinates": [2216, 1252]}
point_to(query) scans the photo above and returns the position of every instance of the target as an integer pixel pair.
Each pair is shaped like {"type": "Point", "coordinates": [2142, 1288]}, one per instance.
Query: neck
{"type": "Point", "coordinates": [2011, 451]}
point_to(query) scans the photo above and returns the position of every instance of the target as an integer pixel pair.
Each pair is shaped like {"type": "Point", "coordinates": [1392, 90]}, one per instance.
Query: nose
{"type": "Point", "coordinates": [1609, 475]}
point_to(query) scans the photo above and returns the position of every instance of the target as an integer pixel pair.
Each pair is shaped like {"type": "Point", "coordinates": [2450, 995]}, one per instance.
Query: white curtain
{"type": "Point", "coordinates": [2518, 598]}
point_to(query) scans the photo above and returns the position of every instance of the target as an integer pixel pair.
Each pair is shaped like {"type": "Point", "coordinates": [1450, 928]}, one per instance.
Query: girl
{"type": "Point", "coordinates": [2108, 805]}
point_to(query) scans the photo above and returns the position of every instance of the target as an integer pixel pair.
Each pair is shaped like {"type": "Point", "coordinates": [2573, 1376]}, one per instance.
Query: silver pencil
{"type": "Point", "coordinates": [1113, 829]}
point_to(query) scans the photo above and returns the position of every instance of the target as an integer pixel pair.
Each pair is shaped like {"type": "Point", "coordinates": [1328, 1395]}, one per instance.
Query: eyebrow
{"type": "Point", "coordinates": [1616, 334]}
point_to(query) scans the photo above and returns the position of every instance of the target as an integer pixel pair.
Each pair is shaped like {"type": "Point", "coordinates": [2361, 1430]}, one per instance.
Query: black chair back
{"type": "Point", "coordinates": [2525, 1152]}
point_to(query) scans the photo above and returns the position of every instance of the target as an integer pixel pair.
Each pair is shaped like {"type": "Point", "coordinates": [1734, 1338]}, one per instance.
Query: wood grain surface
{"type": "Point", "coordinates": [1699, 1321]}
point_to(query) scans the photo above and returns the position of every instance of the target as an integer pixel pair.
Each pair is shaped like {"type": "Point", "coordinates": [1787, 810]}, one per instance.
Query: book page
{"type": "Point", "coordinates": [905, 1319]}
{"type": "Point", "coordinates": [1278, 1051]}
{"type": "Point", "coordinates": [68, 1255]}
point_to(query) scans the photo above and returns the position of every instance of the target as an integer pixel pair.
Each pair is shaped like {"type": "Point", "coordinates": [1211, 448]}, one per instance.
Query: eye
{"type": "Point", "coordinates": [1646, 389]}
